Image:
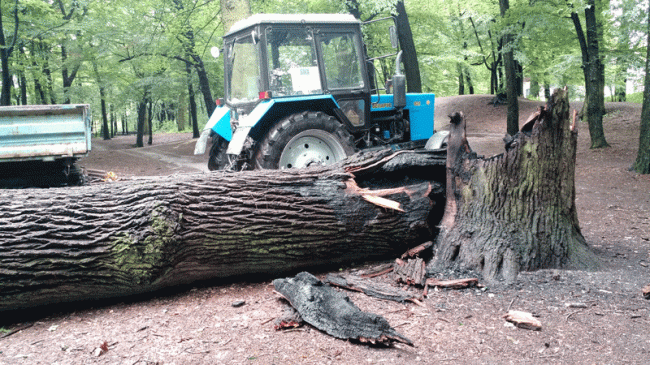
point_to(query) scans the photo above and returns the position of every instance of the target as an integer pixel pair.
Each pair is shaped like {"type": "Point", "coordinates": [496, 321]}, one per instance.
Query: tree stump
{"type": "Point", "coordinates": [124, 238]}
{"type": "Point", "coordinates": [514, 211]}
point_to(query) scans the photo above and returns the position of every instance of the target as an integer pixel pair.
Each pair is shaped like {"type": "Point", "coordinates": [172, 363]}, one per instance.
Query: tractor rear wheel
{"type": "Point", "coordinates": [303, 140]}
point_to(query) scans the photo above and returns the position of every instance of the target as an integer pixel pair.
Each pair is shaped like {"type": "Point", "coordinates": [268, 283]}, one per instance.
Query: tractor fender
{"type": "Point", "coordinates": [268, 112]}
{"type": "Point", "coordinates": [218, 123]}
{"type": "Point", "coordinates": [437, 140]}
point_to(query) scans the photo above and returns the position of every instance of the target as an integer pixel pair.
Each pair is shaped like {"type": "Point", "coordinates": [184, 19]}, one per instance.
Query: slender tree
{"type": "Point", "coordinates": [642, 163]}
{"type": "Point", "coordinates": [594, 74]}
{"type": "Point", "coordinates": [6, 49]}
{"type": "Point", "coordinates": [511, 76]}
{"type": "Point", "coordinates": [410, 57]}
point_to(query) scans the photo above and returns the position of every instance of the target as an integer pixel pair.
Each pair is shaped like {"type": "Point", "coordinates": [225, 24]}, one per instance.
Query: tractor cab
{"type": "Point", "coordinates": [293, 56]}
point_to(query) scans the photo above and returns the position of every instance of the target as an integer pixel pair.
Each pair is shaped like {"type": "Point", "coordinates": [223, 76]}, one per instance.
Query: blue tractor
{"type": "Point", "coordinates": [298, 93]}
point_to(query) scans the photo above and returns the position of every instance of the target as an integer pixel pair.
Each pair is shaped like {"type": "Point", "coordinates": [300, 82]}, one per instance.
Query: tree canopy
{"type": "Point", "coordinates": [152, 57]}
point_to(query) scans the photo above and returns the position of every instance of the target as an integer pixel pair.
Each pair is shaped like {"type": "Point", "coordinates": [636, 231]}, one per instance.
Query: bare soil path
{"type": "Point", "coordinates": [587, 317]}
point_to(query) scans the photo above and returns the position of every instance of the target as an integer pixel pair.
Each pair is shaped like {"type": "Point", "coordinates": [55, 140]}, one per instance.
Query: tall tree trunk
{"type": "Point", "coordinates": [593, 70]}
{"type": "Point", "coordinates": [181, 112]}
{"type": "Point", "coordinates": [512, 90]}
{"type": "Point", "coordinates": [150, 121]}
{"type": "Point", "coordinates": [461, 79]}
{"type": "Point", "coordinates": [410, 57]}
{"type": "Point", "coordinates": [5, 53]}
{"type": "Point", "coordinates": [48, 78]}
{"type": "Point", "coordinates": [142, 119]}
{"type": "Point", "coordinates": [196, 133]}
{"type": "Point", "coordinates": [515, 211]}
{"type": "Point", "coordinates": [642, 163]}
{"type": "Point", "coordinates": [108, 240]}
{"type": "Point", "coordinates": [67, 75]}
{"type": "Point", "coordinates": [102, 96]}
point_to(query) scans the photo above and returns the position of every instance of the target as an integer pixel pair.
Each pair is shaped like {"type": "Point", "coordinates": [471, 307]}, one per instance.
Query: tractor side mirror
{"type": "Point", "coordinates": [392, 31]}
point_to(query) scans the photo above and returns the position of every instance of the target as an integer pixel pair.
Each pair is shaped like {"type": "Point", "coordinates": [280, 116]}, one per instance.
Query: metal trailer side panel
{"type": "Point", "coordinates": [44, 132]}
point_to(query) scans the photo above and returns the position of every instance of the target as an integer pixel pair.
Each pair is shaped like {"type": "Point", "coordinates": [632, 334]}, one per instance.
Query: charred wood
{"type": "Point", "coordinates": [333, 312]}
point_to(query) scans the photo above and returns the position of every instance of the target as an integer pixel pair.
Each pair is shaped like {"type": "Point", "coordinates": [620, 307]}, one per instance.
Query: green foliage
{"type": "Point", "coordinates": [634, 98]}
{"type": "Point", "coordinates": [133, 49]}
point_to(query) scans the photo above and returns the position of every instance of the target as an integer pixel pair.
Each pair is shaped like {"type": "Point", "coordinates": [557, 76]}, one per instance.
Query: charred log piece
{"type": "Point", "coordinates": [131, 237]}
{"type": "Point", "coordinates": [373, 289]}
{"type": "Point", "coordinates": [333, 313]}
{"type": "Point", "coordinates": [514, 211]}
{"type": "Point", "coordinates": [410, 272]}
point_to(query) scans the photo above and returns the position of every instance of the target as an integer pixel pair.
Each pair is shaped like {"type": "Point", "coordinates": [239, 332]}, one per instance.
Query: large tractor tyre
{"type": "Point", "coordinates": [303, 140]}
{"type": "Point", "coordinates": [218, 159]}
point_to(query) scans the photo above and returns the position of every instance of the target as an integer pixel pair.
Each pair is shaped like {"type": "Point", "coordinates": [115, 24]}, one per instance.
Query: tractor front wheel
{"type": "Point", "coordinates": [303, 140]}
{"type": "Point", "coordinates": [218, 159]}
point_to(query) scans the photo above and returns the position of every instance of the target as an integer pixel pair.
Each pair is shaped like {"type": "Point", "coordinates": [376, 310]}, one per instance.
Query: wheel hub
{"type": "Point", "coordinates": [311, 147]}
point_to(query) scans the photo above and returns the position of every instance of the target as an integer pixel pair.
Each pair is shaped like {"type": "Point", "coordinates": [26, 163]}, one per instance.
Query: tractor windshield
{"type": "Point", "coordinates": [292, 62]}
{"type": "Point", "coordinates": [244, 76]}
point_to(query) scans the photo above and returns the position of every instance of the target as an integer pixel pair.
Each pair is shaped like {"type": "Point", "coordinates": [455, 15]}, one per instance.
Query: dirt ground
{"type": "Point", "coordinates": [596, 317]}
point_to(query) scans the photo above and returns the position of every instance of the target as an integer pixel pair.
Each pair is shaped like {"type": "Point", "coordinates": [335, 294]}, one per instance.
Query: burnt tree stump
{"type": "Point", "coordinates": [514, 211]}
{"type": "Point", "coordinates": [131, 237]}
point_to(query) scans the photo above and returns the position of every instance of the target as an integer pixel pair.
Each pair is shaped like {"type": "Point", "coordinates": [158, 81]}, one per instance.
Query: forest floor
{"type": "Point", "coordinates": [595, 317]}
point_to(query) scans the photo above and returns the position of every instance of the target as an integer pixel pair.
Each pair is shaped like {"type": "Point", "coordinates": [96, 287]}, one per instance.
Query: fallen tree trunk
{"type": "Point", "coordinates": [514, 211]}
{"type": "Point", "coordinates": [109, 240]}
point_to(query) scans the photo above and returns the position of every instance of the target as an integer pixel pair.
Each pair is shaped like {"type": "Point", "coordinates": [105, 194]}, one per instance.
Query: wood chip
{"type": "Point", "coordinates": [646, 291]}
{"type": "Point", "coordinates": [452, 284]}
{"type": "Point", "coordinates": [523, 320]}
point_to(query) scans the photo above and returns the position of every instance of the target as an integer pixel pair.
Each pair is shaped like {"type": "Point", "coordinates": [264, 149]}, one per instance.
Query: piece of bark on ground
{"type": "Point", "coordinates": [410, 272]}
{"type": "Point", "coordinates": [373, 289]}
{"type": "Point", "coordinates": [332, 312]}
{"type": "Point", "coordinates": [523, 320]}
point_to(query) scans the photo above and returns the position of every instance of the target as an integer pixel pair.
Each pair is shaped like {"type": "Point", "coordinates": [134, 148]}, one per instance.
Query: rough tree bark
{"type": "Point", "coordinates": [593, 69]}
{"type": "Point", "coordinates": [511, 76]}
{"type": "Point", "coordinates": [109, 240]}
{"type": "Point", "coordinates": [642, 162]}
{"type": "Point", "coordinates": [514, 211]}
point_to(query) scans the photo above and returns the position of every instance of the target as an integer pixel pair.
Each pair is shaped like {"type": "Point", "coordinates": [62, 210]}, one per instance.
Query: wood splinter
{"type": "Point", "coordinates": [523, 320]}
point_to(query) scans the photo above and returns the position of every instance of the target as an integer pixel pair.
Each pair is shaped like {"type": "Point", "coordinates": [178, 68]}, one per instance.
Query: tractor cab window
{"type": "Point", "coordinates": [292, 62]}
{"type": "Point", "coordinates": [341, 57]}
{"type": "Point", "coordinates": [244, 78]}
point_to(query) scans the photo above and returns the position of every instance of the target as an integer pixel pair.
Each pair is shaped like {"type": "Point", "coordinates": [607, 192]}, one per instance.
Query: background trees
{"type": "Point", "coordinates": [125, 54]}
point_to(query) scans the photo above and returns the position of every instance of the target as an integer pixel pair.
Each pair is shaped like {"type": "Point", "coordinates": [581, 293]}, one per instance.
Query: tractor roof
{"type": "Point", "coordinates": [293, 19]}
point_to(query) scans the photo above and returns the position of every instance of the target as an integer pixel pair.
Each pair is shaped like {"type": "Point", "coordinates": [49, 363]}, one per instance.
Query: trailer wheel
{"type": "Point", "coordinates": [303, 140]}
